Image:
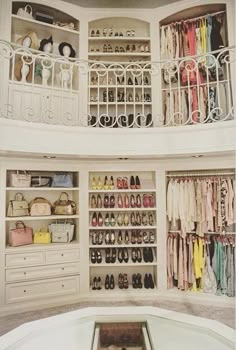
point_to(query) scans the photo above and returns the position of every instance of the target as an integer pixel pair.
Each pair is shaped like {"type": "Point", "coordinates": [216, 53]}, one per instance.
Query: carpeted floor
{"type": "Point", "coordinates": [224, 315]}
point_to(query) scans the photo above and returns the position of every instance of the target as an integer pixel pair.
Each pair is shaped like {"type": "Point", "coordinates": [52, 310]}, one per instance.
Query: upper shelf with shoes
{"type": "Point", "coordinates": [125, 181]}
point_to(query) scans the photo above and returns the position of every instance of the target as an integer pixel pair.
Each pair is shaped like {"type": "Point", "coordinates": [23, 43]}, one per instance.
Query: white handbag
{"type": "Point", "coordinates": [25, 12]}
{"type": "Point", "coordinates": [20, 180]}
{"type": "Point", "coordinates": [40, 207]}
{"type": "Point", "coordinates": [18, 207]}
{"type": "Point", "coordinates": [61, 232]}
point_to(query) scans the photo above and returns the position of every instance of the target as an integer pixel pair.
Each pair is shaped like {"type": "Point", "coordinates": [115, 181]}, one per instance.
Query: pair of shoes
{"type": "Point", "coordinates": [123, 219]}
{"type": "Point", "coordinates": [123, 281]}
{"type": "Point", "coordinates": [137, 281]}
{"type": "Point", "coordinates": [110, 220]}
{"type": "Point", "coordinates": [147, 219]}
{"type": "Point", "coordinates": [110, 255]}
{"type": "Point", "coordinates": [122, 183]}
{"type": "Point", "coordinates": [148, 254]}
{"type": "Point", "coordinates": [130, 32]}
{"type": "Point", "coordinates": [109, 282]}
{"type": "Point", "coordinates": [96, 202]}
{"type": "Point", "coordinates": [97, 219]}
{"type": "Point", "coordinates": [96, 184]}
{"type": "Point", "coordinates": [146, 81]}
{"type": "Point", "coordinates": [121, 239]}
{"type": "Point", "coordinates": [123, 255]}
{"type": "Point", "coordinates": [148, 201]}
{"type": "Point", "coordinates": [108, 183]}
{"type": "Point", "coordinates": [149, 237]}
{"type": "Point", "coordinates": [97, 238]}
{"type": "Point", "coordinates": [148, 281]}
{"type": "Point", "coordinates": [135, 202]}
{"type": "Point", "coordinates": [97, 283]}
{"type": "Point", "coordinates": [96, 256]}
{"type": "Point", "coordinates": [135, 183]}
{"type": "Point", "coordinates": [136, 255]}
{"type": "Point", "coordinates": [120, 80]}
{"type": "Point", "coordinates": [123, 202]}
{"type": "Point", "coordinates": [144, 48]}
{"type": "Point", "coordinates": [110, 237]}
{"type": "Point", "coordinates": [94, 80]}
{"type": "Point", "coordinates": [109, 202]}
{"type": "Point", "coordinates": [135, 219]}
{"type": "Point", "coordinates": [136, 237]}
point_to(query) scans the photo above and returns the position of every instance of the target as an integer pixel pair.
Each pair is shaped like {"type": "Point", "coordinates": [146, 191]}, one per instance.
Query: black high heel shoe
{"type": "Point", "coordinates": [134, 281]}
{"type": "Point", "coordinates": [107, 284]}
{"type": "Point", "coordinates": [139, 255]}
{"type": "Point", "coordinates": [99, 283]}
{"type": "Point", "coordinates": [99, 257]}
{"type": "Point", "coordinates": [137, 183]}
{"type": "Point", "coordinates": [112, 282]}
{"type": "Point", "coordinates": [94, 285]}
{"type": "Point", "coordinates": [113, 256]}
{"type": "Point", "coordinates": [125, 255]}
{"type": "Point", "coordinates": [121, 281]}
{"type": "Point", "coordinates": [108, 256]}
{"type": "Point", "coordinates": [150, 255]}
{"type": "Point", "coordinates": [93, 256]}
{"type": "Point", "coordinates": [134, 255]}
{"type": "Point", "coordinates": [126, 282]}
{"type": "Point", "coordinates": [139, 280]}
{"type": "Point", "coordinates": [120, 255]}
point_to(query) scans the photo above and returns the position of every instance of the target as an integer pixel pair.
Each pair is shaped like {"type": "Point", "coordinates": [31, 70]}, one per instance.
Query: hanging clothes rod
{"type": "Point", "coordinates": [194, 19]}
{"type": "Point", "coordinates": [205, 233]}
{"type": "Point", "coordinates": [201, 174]}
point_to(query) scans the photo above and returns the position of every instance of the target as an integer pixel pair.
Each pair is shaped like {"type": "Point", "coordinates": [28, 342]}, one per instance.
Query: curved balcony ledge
{"type": "Point", "coordinates": [20, 136]}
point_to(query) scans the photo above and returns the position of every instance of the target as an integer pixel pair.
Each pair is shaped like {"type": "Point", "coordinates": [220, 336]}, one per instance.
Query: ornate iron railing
{"type": "Point", "coordinates": [45, 88]}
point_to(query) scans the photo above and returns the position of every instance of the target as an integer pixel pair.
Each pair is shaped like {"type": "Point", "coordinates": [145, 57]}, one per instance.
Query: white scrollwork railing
{"type": "Point", "coordinates": [45, 88]}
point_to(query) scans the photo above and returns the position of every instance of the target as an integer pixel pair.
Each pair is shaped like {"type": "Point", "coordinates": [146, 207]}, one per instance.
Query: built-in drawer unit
{"type": "Point", "coordinates": [37, 272]}
{"type": "Point", "coordinates": [24, 259]}
{"type": "Point", "coordinates": [63, 255]}
{"type": "Point", "coordinates": [17, 292]}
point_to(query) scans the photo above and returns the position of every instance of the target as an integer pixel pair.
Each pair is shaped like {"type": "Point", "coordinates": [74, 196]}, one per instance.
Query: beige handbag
{"type": "Point", "coordinates": [64, 206]}
{"type": "Point", "coordinates": [18, 207]}
{"type": "Point", "coordinates": [20, 179]}
{"type": "Point", "coordinates": [25, 12]}
{"type": "Point", "coordinates": [40, 207]}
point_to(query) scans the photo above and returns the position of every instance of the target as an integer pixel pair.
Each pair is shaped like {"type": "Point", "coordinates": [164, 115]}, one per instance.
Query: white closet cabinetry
{"type": "Point", "coordinates": [43, 103]}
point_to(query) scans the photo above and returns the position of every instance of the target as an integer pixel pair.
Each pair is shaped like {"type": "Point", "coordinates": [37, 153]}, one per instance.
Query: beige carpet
{"type": "Point", "coordinates": [224, 315]}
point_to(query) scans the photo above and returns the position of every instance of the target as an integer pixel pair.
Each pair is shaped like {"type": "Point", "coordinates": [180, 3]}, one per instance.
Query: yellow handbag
{"type": "Point", "coordinates": [42, 237]}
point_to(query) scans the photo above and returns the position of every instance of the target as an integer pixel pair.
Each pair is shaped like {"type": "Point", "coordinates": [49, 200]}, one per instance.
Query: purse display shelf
{"type": "Point", "coordinates": [35, 246]}
{"type": "Point", "coordinates": [116, 54]}
{"type": "Point", "coordinates": [18, 21]}
{"type": "Point", "coordinates": [39, 85]}
{"type": "Point", "coordinates": [61, 189]}
{"type": "Point", "coordinates": [48, 217]}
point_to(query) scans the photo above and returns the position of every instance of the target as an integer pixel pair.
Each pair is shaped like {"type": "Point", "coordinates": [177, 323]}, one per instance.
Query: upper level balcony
{"type": "Point", "coordinates": [42, 91]}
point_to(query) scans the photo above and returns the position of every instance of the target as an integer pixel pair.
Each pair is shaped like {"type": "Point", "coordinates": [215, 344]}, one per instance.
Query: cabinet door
{"type": "Point", "coordinates": [60, 107]}
{"type": "Point", "coordinates": [25, 102]}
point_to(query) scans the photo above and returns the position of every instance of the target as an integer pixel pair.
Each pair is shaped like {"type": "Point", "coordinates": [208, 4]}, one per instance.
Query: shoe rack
{"type": "Point", "coordinates": [119, 92]}
{"type": "Point", "coordinates": [122, 231]}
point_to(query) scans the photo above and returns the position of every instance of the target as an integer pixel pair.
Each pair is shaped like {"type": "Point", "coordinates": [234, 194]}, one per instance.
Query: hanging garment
{"type": "Point", "coordinates": [230, 219]}
{"type": "Point", "coordinates": [209, 280]}
{"type": "Point", "coordinates": [198, 41]}
{"type": "Point", "coordinates": [191, 276]}
{"type": "Point", "coordinates": [230, 270]}
{"type": "Point", "coordinates": [203, 30]}
{"type": "Point", "coordinates": [216, 39]}
{"type": "Point", "coordinates": [202, 103]}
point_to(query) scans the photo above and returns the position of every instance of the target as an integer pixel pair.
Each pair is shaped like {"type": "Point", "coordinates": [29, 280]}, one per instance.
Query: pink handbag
{"type": "Point", "coordinates": [21, 235]}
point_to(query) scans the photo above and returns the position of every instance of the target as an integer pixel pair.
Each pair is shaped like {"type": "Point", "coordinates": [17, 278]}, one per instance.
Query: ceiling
{"type": "Point", "coordinates": [121, 3]}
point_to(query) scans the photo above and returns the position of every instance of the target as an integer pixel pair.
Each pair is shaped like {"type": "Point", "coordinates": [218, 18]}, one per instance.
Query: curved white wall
{"type": "Point", "coordinates": [28, 137]}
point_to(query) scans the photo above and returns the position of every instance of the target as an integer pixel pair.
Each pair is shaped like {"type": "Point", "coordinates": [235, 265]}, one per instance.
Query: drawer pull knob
{"type": "Point", "coordinates": [24, 273]}
{"type": "Point", "coordinates": [62, 254]}
{"type": "Point", "coordinates": [63, 268]}
{"type": "Point", "coordinates": [24, 258]}
{"type": "Point", "coordinates": [24, 291]}
{"type": "Point", "coordinates": [62, 285]}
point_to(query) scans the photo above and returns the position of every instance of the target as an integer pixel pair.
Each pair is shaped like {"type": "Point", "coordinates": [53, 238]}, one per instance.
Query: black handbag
{"type": "Point", "coordinates": [41, 181]}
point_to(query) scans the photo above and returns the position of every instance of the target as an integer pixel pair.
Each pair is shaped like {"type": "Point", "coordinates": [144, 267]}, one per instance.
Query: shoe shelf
{"type": "Point", "coordinates": [148, 190]}
{"type": "Point", "coordinates": [119, 38]}
{"type": "Point", "coordinates": [59, 189]}
{"type": "Point", "coordinates": [120, 86]}
{"type": "Point", "coordinates": [105, 228]}
{"type": "Point", "coordinates": [121, 209]}
{"type": "Point", "coordinates": [136, 245]}
{"type": "Point", "coordinates": [33, 218]}
{"type": "Point", "coordinates": [122, 264]}
{"type": "Point", "coordinates": [117, 54]}
{"type": "Point", "coordinates": [119, 103]}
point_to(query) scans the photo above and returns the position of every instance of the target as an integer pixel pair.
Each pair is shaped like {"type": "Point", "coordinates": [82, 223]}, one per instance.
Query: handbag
{"type": "Point", "coordinates": [42, 237]}
{"type": "Point", "coordinates": [62, 232]}
{"type": "Point", "coordinates": [62, 180]}
{"type": "Point", "coordinates": [26, 12]}
{"type": "Point", "coordinates": [41, 181]}
{"type": "Point", "coordinates": [40, 207]}
{"type": "Point", "coordinates": [18, 206]}
{"type": "Point", "coordinates": [21, 235]}
{"type": "Point", "coordinates": [64, 206]}
{"type": "Point", "coordinates": [20, 180]}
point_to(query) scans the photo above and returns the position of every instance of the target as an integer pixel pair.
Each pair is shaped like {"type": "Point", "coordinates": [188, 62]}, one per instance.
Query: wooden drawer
{"type": "Point", "coordinates": [24, 259]}
{"type": "Point", "coordinates": [57, 287]}
{"type": "Point", "coordinates": [62, 255]}
{"type": "Point", "coordinates": [29, 273]}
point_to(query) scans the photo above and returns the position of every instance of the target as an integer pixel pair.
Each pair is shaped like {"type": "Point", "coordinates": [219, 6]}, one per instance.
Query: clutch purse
{"type": "Point", "coordinates": [41, 181]}
{"type": "Point", "coordinates": [42, 237]}
{"type": "Point", "coordinates": [21, 235]}
{"type": "Point", "coordinates": [64, 206]}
